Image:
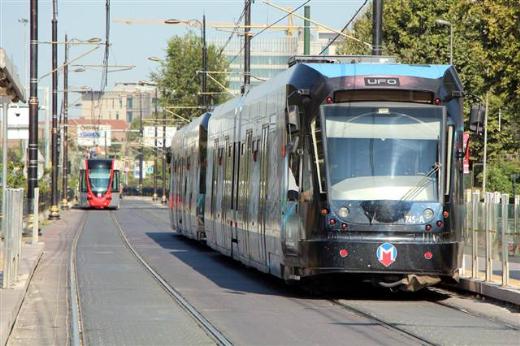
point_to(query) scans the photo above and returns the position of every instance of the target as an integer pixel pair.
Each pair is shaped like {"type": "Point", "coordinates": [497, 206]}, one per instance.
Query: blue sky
{"type": "Point", "coordinates": [132, 44]}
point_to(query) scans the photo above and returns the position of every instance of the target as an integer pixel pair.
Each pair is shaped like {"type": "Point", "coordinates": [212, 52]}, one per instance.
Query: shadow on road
{"type": "Point", "coordinates": [239, 279]}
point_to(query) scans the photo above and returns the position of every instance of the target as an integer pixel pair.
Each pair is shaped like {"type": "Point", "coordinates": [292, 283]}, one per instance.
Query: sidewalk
{"type": "Point", "coordinates": [34, 312]}
{"type": "Point", "coordinates": [11, 299]}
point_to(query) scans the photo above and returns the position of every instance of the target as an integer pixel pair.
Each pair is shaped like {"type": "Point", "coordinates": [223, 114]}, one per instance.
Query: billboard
{"type": "Point", "coordinates": [18, 123]}
{"type": "Point", "coordinates": [90, 135]}
{"type": "Point", "coordinates": [149, 136]}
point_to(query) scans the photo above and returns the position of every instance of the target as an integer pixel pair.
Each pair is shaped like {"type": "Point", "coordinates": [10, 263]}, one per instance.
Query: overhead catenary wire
{"type": "Point", "coordinates": [344, 28]}
{"type": "Point", "coordinates": [269, 26]}
{"type": "Point", "coordinates": [234, 32]}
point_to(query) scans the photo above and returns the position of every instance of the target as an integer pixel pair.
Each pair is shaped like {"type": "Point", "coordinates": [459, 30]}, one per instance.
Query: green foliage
{"type": "Point", "coordinates": [499, 176]}
{"type": "Point", "coordinates": [179, 74]}
{"type": "Point", "coordinates": [486, 55]}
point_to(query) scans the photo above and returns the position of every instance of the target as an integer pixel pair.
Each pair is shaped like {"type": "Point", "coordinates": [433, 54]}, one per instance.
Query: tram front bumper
{"type": "Point", "coordinates": [378, 257]}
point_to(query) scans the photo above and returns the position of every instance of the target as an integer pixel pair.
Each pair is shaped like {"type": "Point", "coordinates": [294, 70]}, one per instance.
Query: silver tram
{"type": "Point", "coordinates": [330, 167]}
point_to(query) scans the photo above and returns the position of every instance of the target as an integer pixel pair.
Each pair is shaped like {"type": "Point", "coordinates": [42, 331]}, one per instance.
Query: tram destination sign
{"type": "Point", "coordinates": [381, 81]}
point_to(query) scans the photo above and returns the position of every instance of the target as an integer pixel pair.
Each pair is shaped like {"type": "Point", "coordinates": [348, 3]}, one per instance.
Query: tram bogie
{"type": "Point", "coordinates": [99, 184]}
{"type": "Point", "coordinates": [330, 168]}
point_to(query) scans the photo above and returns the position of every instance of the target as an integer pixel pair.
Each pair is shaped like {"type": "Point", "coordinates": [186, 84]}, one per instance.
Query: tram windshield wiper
{"type": "Point", "coordinates": [421, 184]}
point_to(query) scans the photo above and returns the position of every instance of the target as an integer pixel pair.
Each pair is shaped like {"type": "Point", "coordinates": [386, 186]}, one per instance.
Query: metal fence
{"type": "Point", "coordinates": [13, 228]}
{"type": "Point", "coordinates": [492, 238]}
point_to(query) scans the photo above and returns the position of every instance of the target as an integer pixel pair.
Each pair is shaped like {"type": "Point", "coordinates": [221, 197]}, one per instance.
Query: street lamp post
{"type": "Point", "coordinates": [163, 200]}
{"type": "Point", "coordinates": [446, 23]}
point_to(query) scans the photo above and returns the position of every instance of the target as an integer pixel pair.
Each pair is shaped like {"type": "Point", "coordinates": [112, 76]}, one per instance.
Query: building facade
{"type": "Point", "coordinates": [270, 55]}
{"type": "Point", "coordinates": [126, 101]}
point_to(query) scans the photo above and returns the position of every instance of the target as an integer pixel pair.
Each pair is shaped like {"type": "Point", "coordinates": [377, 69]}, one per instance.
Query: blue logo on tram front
{"type": "Point", "coordinates": [386, 254]}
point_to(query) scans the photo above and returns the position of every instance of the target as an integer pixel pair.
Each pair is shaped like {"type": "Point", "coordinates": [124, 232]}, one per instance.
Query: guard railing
{"type": "Point", "coordinates": [12, 242]}
{"type": "Point", "coordinates": [492, 238]}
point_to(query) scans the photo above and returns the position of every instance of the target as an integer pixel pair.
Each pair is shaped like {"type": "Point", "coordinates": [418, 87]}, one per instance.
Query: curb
{"type": "Point", "coordinates": [491, 290]}
{"type": "Point", "coordinates": [27, 269]}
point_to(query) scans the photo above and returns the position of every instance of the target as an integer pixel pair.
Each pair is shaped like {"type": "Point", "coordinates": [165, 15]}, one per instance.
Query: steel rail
{"type": "Point", "coordinates": [77, 337]}
{"type": "Point", "coordinates": [381, 322]}
{"type": "Point", "coordinates": [208, 328]}
{"type": "Point", "coordinates": [446, 291]}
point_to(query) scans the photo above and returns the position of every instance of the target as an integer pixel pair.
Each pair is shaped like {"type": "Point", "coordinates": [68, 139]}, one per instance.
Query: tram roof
{"type": "Point", "coordinates": [345, 70]}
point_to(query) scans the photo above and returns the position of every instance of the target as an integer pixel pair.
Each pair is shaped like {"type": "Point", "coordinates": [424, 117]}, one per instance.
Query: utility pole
{"type": "Point", "coordinates": [247, 46]}
{"type": "Point", "coordinates": [204, 65]}
{"type": "Point", "coordinates": [377, 30]}
{"type": "Point", "coordinates": [164, 158]}
{"type": "Point", "coordinates": [307, 31]}
{"type": "Point", "coordinates": [32, 168]}
{"type": "Point", "coordinates": [54, 211]}
{"type": "Point", "coordinates": [65, 172]}
{"type": "Point", "coordinates": [141, 149]}
{"type": "Point", "coordinates": [154, 198]}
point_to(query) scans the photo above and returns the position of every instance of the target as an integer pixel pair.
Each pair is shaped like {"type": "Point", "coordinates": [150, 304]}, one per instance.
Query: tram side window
{"type": "Point", "coordinates": [115, 182]}
{"type": "Point", "coordinates": [449, 155]}
{"type": "Point", "coordinates": [319, 154]}
{"type": "Point", "coordinates": [82, 181]}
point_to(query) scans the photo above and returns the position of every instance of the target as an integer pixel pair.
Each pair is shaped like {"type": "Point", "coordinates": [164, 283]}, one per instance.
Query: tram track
{"type": "Point", "coordinates": [382, 322]}
{"type": "Point", "coordinates": [207, 326]}
{"type": "Point", "coordinates": [396, 322]}
{"type": "Point", "coordinates": [76, 322]}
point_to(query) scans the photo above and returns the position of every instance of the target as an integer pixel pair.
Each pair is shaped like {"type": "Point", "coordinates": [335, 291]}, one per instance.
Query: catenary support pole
{"type": "Point", "coordinates": [484, 160]}
{"type": "Point", "coordinates": [54, 210]}
{"type": "Point", "coordinates": [307, 31]}
{"type": "Point", "coordinates": [154, 197]}
{"type": "Point", "coordinates": [64, 187]}
{"type": "Point", "coordinates": [164, 200]}
{"type": "Point", "coordinates": [247, 45]}
{"type": "Point", "coordinates": [32, 168]}
{"type": "Point", "coordinates": [141, 149]}
{"type": "Point", "coordinates": [377, 30]}
{"type": "Point", "coordinates": [204, 65]}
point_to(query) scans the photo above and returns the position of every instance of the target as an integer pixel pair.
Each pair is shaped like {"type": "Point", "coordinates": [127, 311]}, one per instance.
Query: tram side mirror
{"type": "Point", "coordinates": [476, 119]}
{"type": "Point", "coordinates": [292, 195]}
{"type": "Point", "coordinates": [168, 158]}
{"type": "Point", "coordinates": [293, 118]}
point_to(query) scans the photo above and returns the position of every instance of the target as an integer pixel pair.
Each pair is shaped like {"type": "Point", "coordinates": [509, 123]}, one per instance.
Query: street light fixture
{"type": "Point", "coordinates": [446, 23]}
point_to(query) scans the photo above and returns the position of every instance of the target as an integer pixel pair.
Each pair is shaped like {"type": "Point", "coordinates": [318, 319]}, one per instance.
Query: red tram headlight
{"type": "Point", "coordinates": [445, 214]}
{"type": "Point", "coordinates": [440, 224]}
{"type": "Point", "coordinates": [428, 255]}
{"type": "Point", "coordinates": [332, 222]}
{"type": "Point", "coordinates": [428, 227]}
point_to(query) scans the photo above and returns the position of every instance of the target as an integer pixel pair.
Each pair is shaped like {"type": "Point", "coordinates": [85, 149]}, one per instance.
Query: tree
{"type": "Point", "coordinates": [180, 77]}
{"type": "Point", "coordinates": [486, 55]}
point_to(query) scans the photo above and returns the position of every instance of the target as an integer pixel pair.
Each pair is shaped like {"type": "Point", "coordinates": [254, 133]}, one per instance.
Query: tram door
{"type": "Point", "coordinates": [264, 183]}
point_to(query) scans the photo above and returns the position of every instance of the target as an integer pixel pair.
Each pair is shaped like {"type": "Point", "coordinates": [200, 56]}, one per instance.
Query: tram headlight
{"type": "Point", "coordinates": [428, 214]}
{"type": "Point", "coordinates": [343, 212]}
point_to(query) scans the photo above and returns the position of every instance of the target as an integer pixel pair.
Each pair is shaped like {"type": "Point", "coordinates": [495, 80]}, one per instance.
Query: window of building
{"type": "Point", "coordinates": [129, 116]}
{"type": "Point", "coordinates": [129, 102]}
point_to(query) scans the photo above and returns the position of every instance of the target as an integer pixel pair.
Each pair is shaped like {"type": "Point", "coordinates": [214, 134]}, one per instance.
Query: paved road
{"type": "Point", "coordinates": [121, 304]}
{"type": "Point", "coordinates": [253, 308]}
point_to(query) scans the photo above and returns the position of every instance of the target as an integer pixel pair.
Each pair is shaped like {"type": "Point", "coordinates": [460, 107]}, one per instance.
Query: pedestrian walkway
{"type": "Point", "coordinates": [11, 298]}
{"type": "Point", "coordinates": [42, 319]}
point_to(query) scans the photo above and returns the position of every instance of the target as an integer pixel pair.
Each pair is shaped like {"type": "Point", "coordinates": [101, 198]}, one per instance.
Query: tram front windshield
{"type": "Point", "coordinates": [383, 152]}
{"type": "Point", "coordinates": [99, 175]}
